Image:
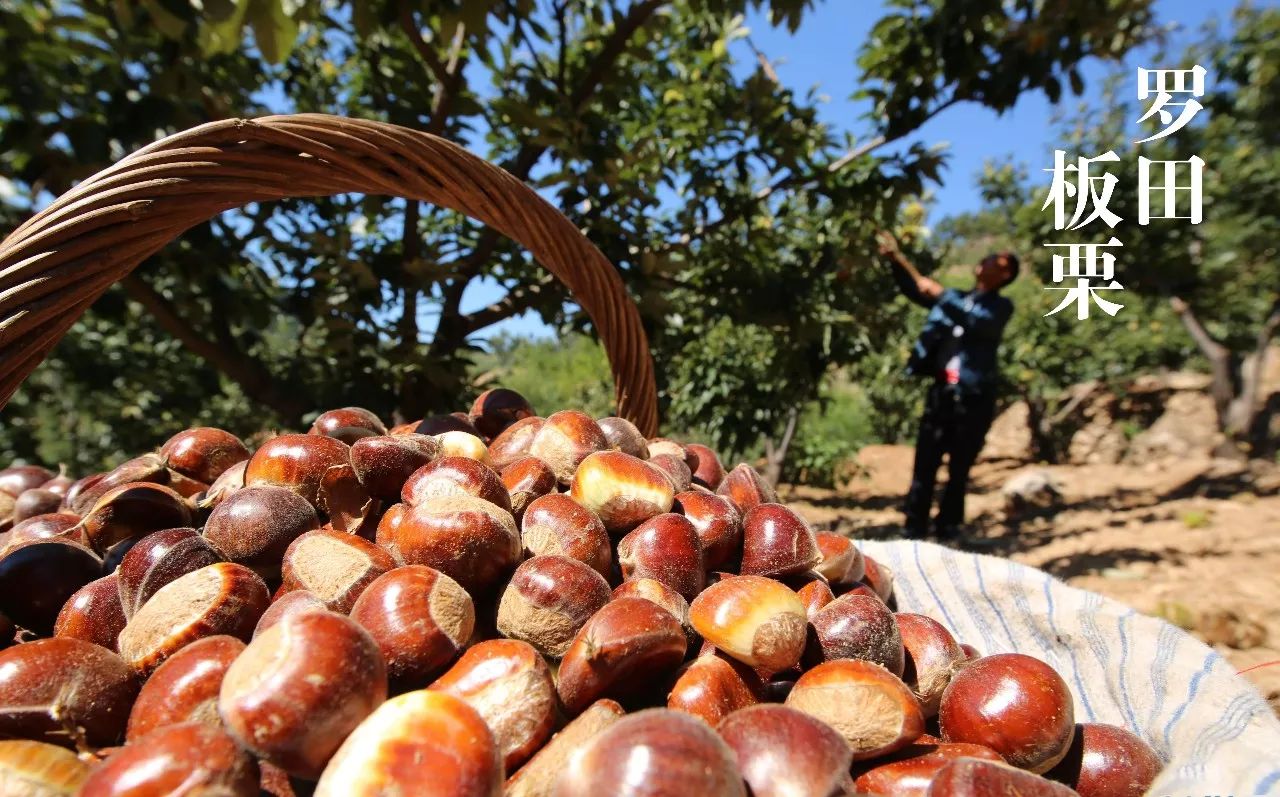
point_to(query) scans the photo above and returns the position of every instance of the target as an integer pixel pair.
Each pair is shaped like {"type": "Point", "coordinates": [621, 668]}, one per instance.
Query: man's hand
{"type": "Point", "coordinates": [888, 244]}
{"type": "Point", "coordinates": [929, 288]}
{"type": "Point", "coordinates": [1178, 304]}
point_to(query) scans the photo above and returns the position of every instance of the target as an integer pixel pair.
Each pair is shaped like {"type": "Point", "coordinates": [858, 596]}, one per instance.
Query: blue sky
{"type": "Point", "coordinates": [821, 54]}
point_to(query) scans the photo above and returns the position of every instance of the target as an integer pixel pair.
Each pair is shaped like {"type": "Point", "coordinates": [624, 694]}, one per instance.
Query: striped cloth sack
{"type": "Point", "coordinates": [1213, 729]}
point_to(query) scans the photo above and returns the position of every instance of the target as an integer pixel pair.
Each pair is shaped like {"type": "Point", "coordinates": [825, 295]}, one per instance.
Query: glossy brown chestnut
{"type": "Point", "coordinates": [449, 475]}
{"type": "Point", "coordinates": [1107, 761]}
{"type": "Point", "coordinates": [384, 463]}
{"type": "Point", "coordinates": [914, 767]}
{"type": "Point", "coordinates": [509, 684]}
{"type": "Point", "coordinates": [709, 473]}
{"type": "Point", "coordinates": [18, 479]}
{"type": "Point", "coordinates": [777, 542]}
{"type": "Point", "coordinates": [66, 692]}
{"type": "Point", "coordinates": [300, 688]}
{"type": "Point", "coordinates": [255, 525]}
{"type": "Point", "coordinates": [36, 769]}
{"type": "Point", "coordinates": [296, 462]}
{"type": "Point", "coordinates": [879, 578]}
{"type": "Point", "coordinates": [514, 441]}
{"type": "Point", "coordinates": [565, 439]}
{"type": "Point", "coordinates": [38, 577]}
{"type": "Point", "coordinates": [675, 469]}
{"type": "Point", "coordinates": [223, 598]}
{"type": "Point", "coordinates": [1015, 704]}
{"type": "Point", "coordinates": [746, 488]}
{"type": "Point", "coordinates": [537, 778]}
{"type": "Point", "coordinates": [970, 652]}
{"type": "Point", "coordinates": [471, 540]}
{"type": "Point", "coordinates": [334, 566]}
{"type": "Point", "coordinates": [496, 409]}
{"type": "Point", "coordinates": [33, 502]}
{"type": "Point", "coordinates": [660, 446]}
{"type": "Point", "coordinates": [299, 600]}
{"type": "Point", "coordinates": [453, 422]}
{"type": "Point", "coordinates": [556, 524]}
{"type": "Point", "coordinates": [756, 620]}
{"type": "Point", "coordinates": [783, 752]}
{"type": "Point", "coordinates": [43, 527]}
{"type": "Point", "coordinates": [232, 479]}
{"type": "Point", "coordinates": [856, 627]}
{"type": "Point", "coordinates": [184, 688]}
{"type": "Point", "coordinates": [812, 591]}
{"type": "Point", "coordinates": [865, 703]}
{"type": "Point", "coordinates": [713, 686]}
{"type": "Point", "coordinates": [841, 561]}
{"type": "Point", "coordinates": [622, 490]}
{"type": "Point", "coordinates": [203, 453]}
{"type": "Point", "coordinates": [932, 655]}
{"type": "Point", "coordinates": [191, 758]}
{"type": "Point", "coordinates": [624, 648]}
{"type": "Point", "coordinates": [421, 743]}
{"type": "Point", "coordinates": [972, 777]}
{"type": "Point", "coordinates": [527, 479]}
{"type": "Point", "coordinates": [134, 510]}
{"type": "Point", "coordinates": [622, 435]}
{"type": "Point", "coordinates": [718, 524]}
{"type": "Point", "coordinates": [347, 417]}
{"type": "Point", "coordinates": [664, 596]}
{"type": "Point", "coordinates": [93, 614]}
{"type": "Point", "coordinates": [158, 559]}
{"type": "Point", "coordinates": [420, 620]}
{"type": "Point", "coordinates": [651, 753]}
{"type": "Point", "coordinates": [548, 599]}
{"type": "Point", "coordinates": [665, 548]}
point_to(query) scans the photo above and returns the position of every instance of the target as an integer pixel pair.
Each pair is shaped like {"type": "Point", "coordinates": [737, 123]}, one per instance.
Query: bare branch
{"type": "Point", "coordinates": [424, 50]}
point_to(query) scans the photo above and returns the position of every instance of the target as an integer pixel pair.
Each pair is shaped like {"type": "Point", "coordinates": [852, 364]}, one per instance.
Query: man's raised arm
{"type": "Point", "coordinates": [921, 290]}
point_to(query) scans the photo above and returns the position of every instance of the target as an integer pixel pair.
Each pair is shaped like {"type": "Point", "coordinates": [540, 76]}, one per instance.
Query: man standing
{"type": "Point", "coordinates": [957, 351]}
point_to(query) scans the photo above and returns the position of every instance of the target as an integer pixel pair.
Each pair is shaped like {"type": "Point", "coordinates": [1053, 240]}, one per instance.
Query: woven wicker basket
{"type": "Point", "coordinates": [56, 264]}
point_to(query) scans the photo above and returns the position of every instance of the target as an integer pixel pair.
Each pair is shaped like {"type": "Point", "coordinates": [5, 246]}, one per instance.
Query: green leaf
{"type": "Point", "coordinates": [274, 31]}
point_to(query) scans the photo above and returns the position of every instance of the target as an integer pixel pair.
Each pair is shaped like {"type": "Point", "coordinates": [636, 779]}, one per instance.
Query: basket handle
{"type": "Point", "coordinates": [57, 263]}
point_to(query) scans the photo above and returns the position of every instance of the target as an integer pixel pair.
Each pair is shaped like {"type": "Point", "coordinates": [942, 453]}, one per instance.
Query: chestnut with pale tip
{"type": "Point", "coordinates": [783, 752]}
{"type": "Point", "coordinates": [841, 561]}
{"type": "Point", "coordinates": [300, 688]}
{"type": "Point", "coordinates": [420, 620]}
{"type": "Point", "coordinates": [717, 522]}
{"type": "Point", "coordinates": [514, 441]}
{"type": "Point", "coordinates": [713, 686]}
{"type": "Point", "coordinates": [158, 559]}
{"type": "Point", "coordinates": [384, 463]}
{"type": "Point", "coordinates": [626, 647]}
{"type": "Point", "coordinates": [556, 524]}
{"type": "Point", "coordinates": [865, 703]}
{"type": "Point", "coordinates": [973, 777]}
{"type": "Point", "coordinates": [184, 688]}
{"type": "Point", "coordinates": [463, 444]}
{"type": "Point", "coordinates": [660, 446]}
{"type": "Point", "coordinates": [190, 758]}
{"type": "Point", "coordinates": [665, 548]}
{"type": "Point", "coordinates": [333, 566]}
{"type": "Point", "coordinates": [471, 540]}
{"type": "Point", "coordinates": [296, 462]}
{"type": "Point", "coordinates": [622, 435]}
{"type": "Point", "coordinates": [418, 732]}
{"type": "Point", "coordinates": [666, 597]}
{"type": "Point", "coordinates": [548, 599]}
{"type": "Point", "coordinates": [223, 598]}
{"type": "Point", "coordinates": [453, 475]}
{"type": "Point", "coordinates": [1107, 761]}
{"type": "Point", "coordinates": [203, 453]}
{"type": "Point", "coordinates": [66, 692]}
{"type": "Point", "coordinates": [527, 479]}
{"type": "Point", "coordinates": [856, 627]}
{"type": "Point", "coordinates": [932, 656]}
{"type": "Point", "coordinates": [537, 778]}
{"type": "Point", "coordinates": [496, 409]}
{"type": "Point", "coordinates": [746, 488]}
{"type": "Point", "coordinates": [1015, 704]}
{"type": "Point", "coordinates": [93, 614]}
{"type": "Point", "coordinates": [565, 439]}
{"type": "Point", "coordinates": [777, 542]}
{"type": "Point", "coordinates": [651, 753]}
{"type": "Point", "coordinates": [756, 620]}
{"type": "Point", "coordinates": [37, 578]}
{"type": "Point", "coordinates": [37, 769]}
{"type": "Point", "coordinates": [914, 767]}
{"type": "Point", "coordinates": [510, 685]}
{"type": "Point", "coordinates": [622, 490]}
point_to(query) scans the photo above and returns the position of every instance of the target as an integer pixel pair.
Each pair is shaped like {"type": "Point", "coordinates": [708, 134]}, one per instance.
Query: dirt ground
{"type": "Point", "coordinates": [1193, 540]}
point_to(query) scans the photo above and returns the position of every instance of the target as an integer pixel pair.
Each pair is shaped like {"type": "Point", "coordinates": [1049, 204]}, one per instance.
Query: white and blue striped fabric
{"type": "Point", "coordinates": [1213, 729]}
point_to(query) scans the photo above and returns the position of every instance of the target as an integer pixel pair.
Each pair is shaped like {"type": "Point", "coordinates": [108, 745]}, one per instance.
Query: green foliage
{"type": "Point", "coordinates": [831, 431]}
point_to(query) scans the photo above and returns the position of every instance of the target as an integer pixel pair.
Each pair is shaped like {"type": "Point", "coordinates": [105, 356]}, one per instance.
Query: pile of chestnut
{"type": "Point", "coordinates": [485, 603]}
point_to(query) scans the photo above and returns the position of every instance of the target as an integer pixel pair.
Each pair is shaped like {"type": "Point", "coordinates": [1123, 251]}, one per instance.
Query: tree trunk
{"type": "Point", "coordinates": [776, 456]}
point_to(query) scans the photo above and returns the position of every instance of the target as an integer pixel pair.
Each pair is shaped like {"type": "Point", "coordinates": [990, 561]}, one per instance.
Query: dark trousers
{"type": "Point", "coordinates": [955, 424]}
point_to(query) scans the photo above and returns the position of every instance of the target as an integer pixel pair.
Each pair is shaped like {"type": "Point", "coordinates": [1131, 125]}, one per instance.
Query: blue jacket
{"type": "Point", "coordinates": [983, 322]}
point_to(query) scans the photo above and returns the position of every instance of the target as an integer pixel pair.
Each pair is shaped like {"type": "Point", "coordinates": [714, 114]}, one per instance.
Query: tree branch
{"type": "Point", "coordinates": [513, 304]}
{"type": "Point", "coordinates": [1222, 388]}
{"type": "Point", "coordinates": [424, 50]}
{"type": "Point", "coordinates": [252, 377]}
